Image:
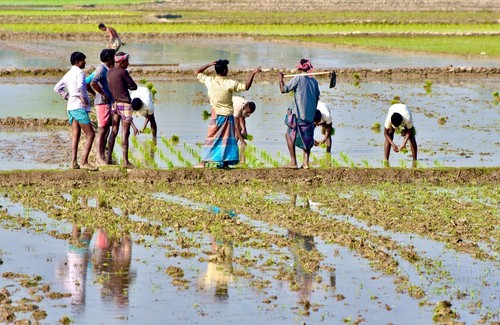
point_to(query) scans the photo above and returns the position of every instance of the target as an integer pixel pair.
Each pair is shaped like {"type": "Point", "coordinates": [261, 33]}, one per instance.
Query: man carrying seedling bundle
{"type": "Point", "coordinates": [220, 144]}
{"type": "Point", "coordinates": [399, 116]}
{"type": "Point", "coordinates": [242, 110]}
{"type": "Point", "coordinates": [326, 126]}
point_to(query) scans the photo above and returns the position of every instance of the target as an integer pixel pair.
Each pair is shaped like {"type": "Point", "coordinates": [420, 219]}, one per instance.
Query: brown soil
{"type": "Point", "coordinates": [346, 74]}
{"type": "Point", "coordinates": [277, 176]}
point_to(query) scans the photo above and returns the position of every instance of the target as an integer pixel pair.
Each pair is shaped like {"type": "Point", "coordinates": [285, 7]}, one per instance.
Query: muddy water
{"type": "Point", "coordinates": [467, 107]}
{"type": "Point", "coordinates": [131, 284]}
{"type": "Point", "coordinates": [242, 53]}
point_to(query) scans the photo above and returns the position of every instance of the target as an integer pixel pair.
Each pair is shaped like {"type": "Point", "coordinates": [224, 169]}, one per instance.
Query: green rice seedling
{"type": "Point", "coordinates": [376, 127]}
{"type": "Point", "coordinates": [206, 115]}
{"type": "Point", "coordinates": [182, 160]}
{"type": "Point", "coordinates": [336, 163]}
{"type": "Point", "coordinates": [268, 158]}
{"type": "Point", "coordinates": [427, 86]}
{"type": "Point", "coordinates": [146, 131]}
{"type": "Point", "coordinates": [438, 164]}
{"type": "Point", "coordinates": [165, 159]}
{"type": "Point", "coordinates": [192, 151]}
{"type": "Point", "coordinates": [248, 137]}
{"type": "Point", "coordinates": [402, 163]}
{"type": "Point", "coordinates": [175, 139]}
{"type": "Point", "coordinates": [135, 142]}
{"type": "Point", "coordinates": [396, 100]}
{"type": "Point", "coordinates": [347, 160]}
{"type": "Point", "coordinates": [496, 98]}
{"type": "Point", "coordinates": [284, 160]}
{"type": "Point", "coordinates": [365, 163]}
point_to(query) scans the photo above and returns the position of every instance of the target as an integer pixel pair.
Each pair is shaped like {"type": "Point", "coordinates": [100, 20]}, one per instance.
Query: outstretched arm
{"type": "Point", "coordinates": [249, 82]}
{"type": "Point", "coordinates": [205, 67]}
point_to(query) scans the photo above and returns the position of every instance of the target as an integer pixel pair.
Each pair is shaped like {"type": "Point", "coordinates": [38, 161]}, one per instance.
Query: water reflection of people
{"type": "Point", "coordinates": [112, 258]}
{"type": "Point", "coordinates": [304, 274]}
{"type": "Point", "coordinates": [219, 269]}
{"type": "Point", "coordinates": [73, 271]}
{"type": "Point", "coordinates": [301, 245]}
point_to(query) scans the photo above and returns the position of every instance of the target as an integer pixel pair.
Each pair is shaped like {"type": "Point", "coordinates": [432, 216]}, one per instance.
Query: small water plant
{"type": "Point", "coordinates": [427, 86]}
{"type": "Point", "coordinates": [442, 120]}
{"type": "Point", "coordinates": [376, 127]}
{"type": "Point", "coordinates": [396, 100]}
{"type": "Point", "coordinates": [356, 79]}
{"type": "Point", "coordinates": [496, 97]}
{"type": "Point", "coordinates": [175, 138]}
{"type": "Point", "coordinates": [205, 114]}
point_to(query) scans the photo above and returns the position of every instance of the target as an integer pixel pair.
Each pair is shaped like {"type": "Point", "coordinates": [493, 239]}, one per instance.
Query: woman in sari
{"type": "Point", "coordinates": [300, 116]}
{"type": "Point", "coordinates": [221, 145]}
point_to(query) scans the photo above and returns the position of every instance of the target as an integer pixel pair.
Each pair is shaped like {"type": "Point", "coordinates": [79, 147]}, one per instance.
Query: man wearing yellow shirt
{"type": "Point", "coordinates": [220, 145]}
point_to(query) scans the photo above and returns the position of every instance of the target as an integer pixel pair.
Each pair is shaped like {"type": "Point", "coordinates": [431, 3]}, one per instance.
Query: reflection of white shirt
{"type": "Point", "coordinates": [405, 113]}
{"type": "Point", "coordinates": [326, 115]}
{"type": "Point", "coordinates": [144, 94]}
{"type": "Point", "coordinates": [238, 104]}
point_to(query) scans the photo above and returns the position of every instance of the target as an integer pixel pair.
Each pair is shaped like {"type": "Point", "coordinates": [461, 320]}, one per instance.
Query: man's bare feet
{"type": "Point", "coordinates": [89, 167]}
{"type": "Point", "coordinates": [101, 162]}
{"type": "Point", "coordinates": [200, 165]}
{"type": "Point", "coordinates": [128, 166]}
{"type": "Point", "coordinates": [290, 166]}
{"type": "Point", "coordinates": [75, 166]}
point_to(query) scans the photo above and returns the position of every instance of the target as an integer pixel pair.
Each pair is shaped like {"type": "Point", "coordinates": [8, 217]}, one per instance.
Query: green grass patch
{"type": "Point", "coordinates": [259, 29]}
{"type": "Point", "coordinates": [462, 45]}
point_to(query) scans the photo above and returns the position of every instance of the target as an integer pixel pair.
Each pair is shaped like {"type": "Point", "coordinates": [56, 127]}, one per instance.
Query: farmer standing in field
{"type": "Point", "coordinates": [326, 126]}
{"type": "Point", "coordinates": [114, 40]}
{"type": "Point", "coordinates": [221, 145]}
{"type": "Point", "coordinates": [300, 117]}
{"type": "Point", "coordinates": [242, 110]}
{"type": "Point", "coordinates": [120, 82]}
{"type": "Point", "coordinates": [399, 115]}
{"type": "Point", "coordinates": [72, 87]}
{"type": "Point", "coordinates": [102, 102]}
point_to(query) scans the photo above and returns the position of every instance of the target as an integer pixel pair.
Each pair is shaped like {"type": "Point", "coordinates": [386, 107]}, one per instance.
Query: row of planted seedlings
{"type": "Point", "coordinates": [161, 219]}
{"type": "Point", "coordinates": [172, 153]}
{"type": "Point", "coordinates": [455, 220]}
{"type": "Point", "coordinates": [459, 216]}
{"type": "Point", "coordinates": [387, 254]}
{"type": "Point", "coordinates": [253, 200]}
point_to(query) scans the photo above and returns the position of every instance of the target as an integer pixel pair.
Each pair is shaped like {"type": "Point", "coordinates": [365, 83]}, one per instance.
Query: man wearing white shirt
{"type": "Point", "coordinates": [399, 115]}
{"type": "Point", "coordinates": [326, 126]}
{"type": "Point", "coordinates": [142, 104]}
{"type": "Point", "coordinates": [242, 110]}
{"type": "Point", "coordinates": [72, 87]}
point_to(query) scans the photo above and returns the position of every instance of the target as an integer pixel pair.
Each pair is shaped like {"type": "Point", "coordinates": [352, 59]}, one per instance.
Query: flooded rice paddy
{"type": "Point", "coordinates": [251, 252]}
{"type": "Point", "coordinates": [352, 244]}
